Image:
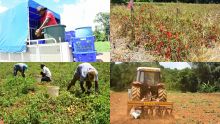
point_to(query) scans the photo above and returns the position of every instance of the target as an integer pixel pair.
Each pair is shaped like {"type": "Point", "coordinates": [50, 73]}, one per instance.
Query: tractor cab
{"type": "Point", "coordinates": [148, 84]}
{"type": "Point", "coordinates": [148, 75]}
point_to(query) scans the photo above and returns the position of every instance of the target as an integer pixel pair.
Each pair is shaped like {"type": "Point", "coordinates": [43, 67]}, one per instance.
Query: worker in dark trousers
{"type": "Point", "coordinates": [85, 72]}
{"type": "Point", "coordinates": [21, 67]}
{"type": "Point", "coordinates": [45, 73]}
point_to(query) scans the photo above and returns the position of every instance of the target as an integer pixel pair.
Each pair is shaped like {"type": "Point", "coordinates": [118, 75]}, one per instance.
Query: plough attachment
{"type": "Point", "coordinates": [151, 108]}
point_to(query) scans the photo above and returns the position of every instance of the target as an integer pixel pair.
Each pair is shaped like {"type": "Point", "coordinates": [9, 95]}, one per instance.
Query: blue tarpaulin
{"type": "Point", "coordinates": [14, 29]}
{"type": "Point", "coordinates": [17, 25]}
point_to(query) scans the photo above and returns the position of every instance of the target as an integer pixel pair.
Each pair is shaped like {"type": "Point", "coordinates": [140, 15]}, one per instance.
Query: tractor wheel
{"type": "Point", "coordinates": [162, 95]}
{"type": "Point", "coordinates": [135, 93]}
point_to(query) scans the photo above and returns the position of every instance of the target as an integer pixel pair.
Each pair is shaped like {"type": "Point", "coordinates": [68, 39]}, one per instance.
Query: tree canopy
{"type": "Point", "coordinates": [201, 77]}
{"type": "Point", "coordinates": [102, 31]}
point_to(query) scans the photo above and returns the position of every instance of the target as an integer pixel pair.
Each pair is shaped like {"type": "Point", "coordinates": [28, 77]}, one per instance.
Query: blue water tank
{"type": "Point", "coordinates": [83, 32]}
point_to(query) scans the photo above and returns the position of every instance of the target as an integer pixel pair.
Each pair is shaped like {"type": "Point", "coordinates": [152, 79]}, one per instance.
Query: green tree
{"type": "Point", "coordinates": [100, 36]}
{"type": "Point", "coordinates": [169, 77]}
{"type": "Point", "coordinates": [103, 19]}
{"type": "Point", "coordinates": [208, 73]}
{"type": "Point", "coordinates": [118, 1]}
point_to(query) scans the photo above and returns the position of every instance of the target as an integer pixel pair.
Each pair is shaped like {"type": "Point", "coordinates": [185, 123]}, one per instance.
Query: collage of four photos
{"type": "Point", "coordinates": [110, 62]}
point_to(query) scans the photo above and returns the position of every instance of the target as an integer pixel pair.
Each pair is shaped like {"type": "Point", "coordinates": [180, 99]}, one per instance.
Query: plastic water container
{"type": "Point", "coordinates": [85, 44]}
{"type": "Point", "coordinates": [53, 91]}
{"type": "Point", "coordinates": [55, 31]}
{"type": "Point", "coordinates": [83, 32]}
{"type": "Point", "coordinates": [84, 56]}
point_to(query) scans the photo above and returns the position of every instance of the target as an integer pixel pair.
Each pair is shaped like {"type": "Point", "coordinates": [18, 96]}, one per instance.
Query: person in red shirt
{"type": "Point", "coordinates": [47, 19]}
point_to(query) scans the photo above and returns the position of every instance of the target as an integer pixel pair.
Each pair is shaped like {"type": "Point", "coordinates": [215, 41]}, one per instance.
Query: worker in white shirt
{"type": "Point", "coordinates": [45, 73]}
{"type": "Point", "coordinates": [85, 72]}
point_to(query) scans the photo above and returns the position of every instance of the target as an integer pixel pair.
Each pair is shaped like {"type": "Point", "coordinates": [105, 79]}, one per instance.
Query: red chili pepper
{"type": "Point", "coordinates": [159, 47]}
{"type": "Point", "coordinates": [154, 39]}
{"type": "Point", "coordinates": [161, 43]}
{"type": "Point", "coordinates": [142, 10]}
{"type": "Point", "coordinates": [178, 53]}
{"type": "Point", "coordinates": [176, 36]}
{"type": "Point", "coordinates": [169, 34]}
{"type": "Point", "coordinates": [161, 28]}
{"type": "Point", "coordinates": [168, 53]}
{"type": "Point", "coordinates": [186, 46]}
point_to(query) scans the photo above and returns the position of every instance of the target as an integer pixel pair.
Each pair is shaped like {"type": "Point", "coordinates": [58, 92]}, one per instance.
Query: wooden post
{"type": "Point", "coordinates": [177, 12]}
{"type": "Point", "coordinates": [133, 28]}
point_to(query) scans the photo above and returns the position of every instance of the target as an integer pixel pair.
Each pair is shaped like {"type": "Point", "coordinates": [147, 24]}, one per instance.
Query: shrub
{"type": "Point", "coordinates": [207, 88]}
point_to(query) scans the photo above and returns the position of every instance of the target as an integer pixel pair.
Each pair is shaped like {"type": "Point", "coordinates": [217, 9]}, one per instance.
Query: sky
{"type": "Point", "coordinates": [74, 13]}
{"type": "Point", "coordinates": [177, 65]}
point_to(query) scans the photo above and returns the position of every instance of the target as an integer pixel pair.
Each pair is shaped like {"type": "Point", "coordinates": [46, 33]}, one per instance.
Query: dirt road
{"type": "Point", "coordinates": [103, 57]}
{"type": "Point", "coordinates": [189, 108]}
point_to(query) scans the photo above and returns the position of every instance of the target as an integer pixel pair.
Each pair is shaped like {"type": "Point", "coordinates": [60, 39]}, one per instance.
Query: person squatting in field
{"type": "Point", "coordinates": [45, 73]}
{"type": "Point", "coordinates": [21, 67]}
{"type": "Point", "coordinates": [85, 72]}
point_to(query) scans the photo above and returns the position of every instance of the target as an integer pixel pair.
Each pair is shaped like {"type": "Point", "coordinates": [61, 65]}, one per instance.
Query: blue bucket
{"type": "Point", "coordinates": [83, 32]}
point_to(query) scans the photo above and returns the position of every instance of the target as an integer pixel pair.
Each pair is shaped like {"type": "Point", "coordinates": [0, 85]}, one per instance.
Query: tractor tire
{"type": "Point", "coordinates": [162, 95]}
{"type": "Point", "coordinates": [136, 93]}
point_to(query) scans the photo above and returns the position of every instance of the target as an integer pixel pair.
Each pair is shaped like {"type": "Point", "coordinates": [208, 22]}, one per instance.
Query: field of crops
{"type": "Point", "coordinates": [165, 32]}
{"type": "Point", "coordinates": [20, 105]}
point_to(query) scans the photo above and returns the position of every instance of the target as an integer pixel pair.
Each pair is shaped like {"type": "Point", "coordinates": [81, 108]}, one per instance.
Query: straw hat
{"type": "Point", "coordinates": [91, 75]}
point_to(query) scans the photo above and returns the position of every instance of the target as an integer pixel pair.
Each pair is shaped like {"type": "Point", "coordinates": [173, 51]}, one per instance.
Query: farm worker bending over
{"type": "Point", "coordinates": [45, 73]}
{"type": "Point", "coordinates": [47, 19]}
{"type": "Point", "coordinates": [21, 67]}
{"type": "Point", "coordinates": [85, 72]}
